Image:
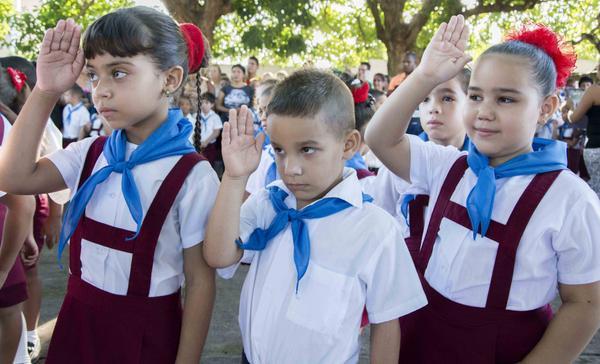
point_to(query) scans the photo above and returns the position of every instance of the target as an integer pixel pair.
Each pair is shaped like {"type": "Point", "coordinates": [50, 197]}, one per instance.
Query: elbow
{"type": "Point", "coordinates": [215, 259]}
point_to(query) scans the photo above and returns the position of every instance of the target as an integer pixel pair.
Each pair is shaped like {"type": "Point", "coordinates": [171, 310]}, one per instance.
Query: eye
{"type": "Point", "coordinates": [426, 100]}
{"type": "Point", "coordinates": [505, 100]}
{"type": "Point", "coordinates": [476, 98]}
{"type": "Point", "coordinates": [447, 99]}
{"type": "Point", "coordinates": [93, 77]}
{"type": "Point", "coordinates": [278, 150]}
{"type": "Point", "coordinates": [308, 150]}
{"type": "Point", "coordinates": [119, 74]}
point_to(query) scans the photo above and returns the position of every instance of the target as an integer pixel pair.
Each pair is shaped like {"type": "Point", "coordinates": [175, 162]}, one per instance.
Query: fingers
{"type": "Point", "coordinates": [233, 120]}
{"type": "Point", "coordinates": [460, 24]}
{"type": "Point", "coordinates": [57, 35]}
{"type": "Point", "coordinates": [79, 62]}
{"type": "Point", "coordinates": [65, 42]}
{"type": "Point", "coordinates": [464, 38]}
{"type": "Point", "coordinates": [249, 123]}
{"type": "Point", "coordinates": [242, 115]}
{"type": "Point", "coordinates": [450, 29]}
{"type": "Point", "coordinates": [226, 137]}
{"type": "Point", "coordinates": [46, 43]}
{"type": "Point", "coordinates": [439, 35]}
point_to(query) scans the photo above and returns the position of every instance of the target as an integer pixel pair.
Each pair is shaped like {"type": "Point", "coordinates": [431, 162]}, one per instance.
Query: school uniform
{"type": "Point", "coordinates": [210, 122]}
{"type": "Point", "coordinates": [493, 291]}
{"type": "Point", "coordinates": [75, 117]}
{"type": "Point", "coordinates": [123, 299]}
{"type": "Point", "coordinates": [355, 259]}
{"type": "Point", "coordinates": [14, 290]}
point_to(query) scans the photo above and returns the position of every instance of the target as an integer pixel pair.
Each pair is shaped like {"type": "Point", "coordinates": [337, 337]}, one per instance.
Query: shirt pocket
{"type": "Point", "coordinates": [93, 263]}
{"type": "Point", "coordinates": [322, 300]}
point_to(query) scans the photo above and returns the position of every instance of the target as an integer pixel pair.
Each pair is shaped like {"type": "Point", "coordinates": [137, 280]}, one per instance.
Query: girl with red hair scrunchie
{"type": "Point", "coordinates": [507, 224]}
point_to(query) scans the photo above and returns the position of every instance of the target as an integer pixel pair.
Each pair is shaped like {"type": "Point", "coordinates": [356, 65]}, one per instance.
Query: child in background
{"type": "Point", "coordinates": [75, 115]}
{"type": "Point", "coordinates": [16, 215]}
{"type": "Point", "coordinates": [48, 213]}
{"type": "Point", "coordinates": [508, 224]}
{"type": "Point", "coordinates": [211, 127]}
{"type": "Point", "coordinates": [141, 196]}
{"type": "Point", "coordinates": [319, 250]}
{"type": "Point", "coordinates": [441, 114]}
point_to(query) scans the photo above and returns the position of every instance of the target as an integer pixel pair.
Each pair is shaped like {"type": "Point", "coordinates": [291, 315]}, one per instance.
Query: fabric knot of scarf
{"type": "Point", "coordinates": [547, 155]}
{"type": "Point", "coordinates": [283, 216]}
{"type": "Point", "coordinates": [169, 139]}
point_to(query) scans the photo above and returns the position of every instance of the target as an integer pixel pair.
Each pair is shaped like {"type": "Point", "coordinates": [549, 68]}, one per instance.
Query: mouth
{"type": "Point", "coordinates": [434, 123]}
{"type": "Point", "coordinates": [106, 112]}
{"type": "Point", "coordinates": [297, 186]}
{"type": "Point", "coordinates": [484, 132]}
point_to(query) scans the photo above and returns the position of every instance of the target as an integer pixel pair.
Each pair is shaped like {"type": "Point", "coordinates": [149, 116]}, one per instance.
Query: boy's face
{"type": "Point", "coordinates": [206, 106]}
{"type": "Point", "coordinates": [503, 107]}
{"type": "Point", "coordinates": [310, 157]}
{"type": "Point", "coordinates": [442, 110]}
{"type": "Point", "coordinates": [263, 102]}
{"type": "Point", "coordinates": [71, 98]}
{"type": "Point", "coordinates": [379, 101]}
{"type": "Point", "coordinates": [186, 106]}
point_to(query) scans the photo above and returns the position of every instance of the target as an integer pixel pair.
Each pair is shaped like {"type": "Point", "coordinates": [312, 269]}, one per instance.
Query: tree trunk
{"type": "Point", "coordinates": [395, 54]}
{"type": "Point", "coordinates": [204, 16]}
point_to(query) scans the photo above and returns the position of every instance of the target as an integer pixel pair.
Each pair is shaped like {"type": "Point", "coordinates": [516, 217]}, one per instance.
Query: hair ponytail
{"type": "Point", "coordinates": [198, 127]}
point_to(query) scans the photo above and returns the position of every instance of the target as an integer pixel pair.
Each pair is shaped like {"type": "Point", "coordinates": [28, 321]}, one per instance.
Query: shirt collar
{"type": "Point", "coordinates": [349, 190]}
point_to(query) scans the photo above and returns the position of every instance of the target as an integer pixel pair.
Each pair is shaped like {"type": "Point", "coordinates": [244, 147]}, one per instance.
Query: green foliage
{"type": "Point", "coordinates": [28, 28]}
{"type": "Point", "coordinates": [6, 12]}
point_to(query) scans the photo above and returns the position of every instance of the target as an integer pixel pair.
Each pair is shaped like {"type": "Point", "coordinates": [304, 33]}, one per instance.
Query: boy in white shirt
{"type": "Point", "coordinates": [75, 115]}
{"type": "Point", "coordinates": [319, 250]}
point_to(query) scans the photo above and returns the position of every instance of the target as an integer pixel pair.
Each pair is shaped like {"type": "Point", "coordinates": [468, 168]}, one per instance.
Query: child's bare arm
{"type": "Point", "coordinates": [59, 64]}
{"type": "Point", "coordinates": [198, 305]}
{"type": "Point", "coordinates": [241, 155]}
{"type": "Point", "coordinates": [573, 326]}
{"type": "Point", "coordinates": [17, 226]}
{"type": "Point", "coordinates": [443, 59]}
{"type": "Point", "coordinates": [385, 342]}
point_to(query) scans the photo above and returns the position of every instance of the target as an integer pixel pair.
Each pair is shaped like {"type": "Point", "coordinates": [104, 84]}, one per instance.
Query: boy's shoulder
{"type": "Point", "coordinates": [571, 188]}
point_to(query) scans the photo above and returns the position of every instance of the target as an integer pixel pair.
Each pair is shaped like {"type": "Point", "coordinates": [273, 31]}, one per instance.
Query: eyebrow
{"type": "Point", "coordinates": [497, 89]}
{"type": "Point", "coordinates": [113, 64]}
{"type": "Point", "coordinates": [444, 90]}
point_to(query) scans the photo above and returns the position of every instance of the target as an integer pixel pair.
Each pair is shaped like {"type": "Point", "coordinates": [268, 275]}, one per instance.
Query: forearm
{"type": "Point", "coordinates": [17, 225]}
{"type": "Point", "coordinates": [569, 332]}
{"type": "Point", "coordinates": [385, 342]}
{"type": "Point", "coordinates": [213, 136]}
{"type": "Point", "coordinates": [19, 152]}
{"type": "Point", "coordinates": [197, 311]}
{"type": "Point", "coordinates": [220, 249]}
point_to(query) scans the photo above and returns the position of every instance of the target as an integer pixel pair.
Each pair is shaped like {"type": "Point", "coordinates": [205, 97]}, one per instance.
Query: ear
{"type": "Point", "coordinates": [549, 106]}
{"type": "Point", "coordinates": [351, 144]}
{"type": "Point", "coordinates": [173, 79]}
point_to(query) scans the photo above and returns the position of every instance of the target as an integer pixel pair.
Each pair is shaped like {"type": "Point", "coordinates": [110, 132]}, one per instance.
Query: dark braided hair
{"type": "Point", "coordinates": [198, 126]}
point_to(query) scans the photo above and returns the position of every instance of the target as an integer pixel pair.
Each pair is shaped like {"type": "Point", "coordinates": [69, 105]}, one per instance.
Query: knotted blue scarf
{"type": "Point", "coordinates": [70, 111]}
{"type": "Point", "coordinates": [548, 155]}
{"type": "Point", "coordinates": [357, 162]}
{"type": "Point", "coordinates": [170, 139]}
{"type": "Point", "coordinates": [260, 237]}
{"type": "Point", "coordinates": [409, 197]}
{"type": "Point", "coordinates": [272, 171]}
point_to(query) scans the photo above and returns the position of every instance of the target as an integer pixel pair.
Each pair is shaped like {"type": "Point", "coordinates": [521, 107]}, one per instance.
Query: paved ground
{"type": "Point", "coordinates": [223, 344]}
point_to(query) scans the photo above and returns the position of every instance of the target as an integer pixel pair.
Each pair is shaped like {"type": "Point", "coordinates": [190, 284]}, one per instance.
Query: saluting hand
{"type": "Point", "coordinates": [241, 150]}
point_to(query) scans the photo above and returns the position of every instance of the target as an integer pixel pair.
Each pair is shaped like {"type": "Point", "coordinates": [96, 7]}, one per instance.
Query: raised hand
{"type": "Point", "coordinates": [241, 150]}
{"type": "Point", "coordinates": [445, 55]}
{"type": "Point", "coordinates": [61, 59]}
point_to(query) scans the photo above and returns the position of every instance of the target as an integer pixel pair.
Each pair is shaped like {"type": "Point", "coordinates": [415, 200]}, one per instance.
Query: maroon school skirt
{"type": "Point", "coordinates": [95, 326]}
{"type": "Point", "coordinates": [39, 218]}
{"type": "Point", "coordinates": [14, 290]}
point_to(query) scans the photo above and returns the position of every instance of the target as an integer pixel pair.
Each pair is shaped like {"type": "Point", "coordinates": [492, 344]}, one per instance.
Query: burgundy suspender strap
{"type": "Point", "coordinates": [88, 166]}
{"type": "Point", "coordinates": [454, 176]}
{"type": "Point", "coordinates": [515, 227]}
{"type": "Point", "coordinates": [145, 243]}
{"type": "Point", "coordinates": [416, 216]}
{"type": "Point", "coordinates": [1, 129]}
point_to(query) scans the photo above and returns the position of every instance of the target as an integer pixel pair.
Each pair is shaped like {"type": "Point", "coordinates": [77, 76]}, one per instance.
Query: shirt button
{"type": "Point", "coordinates": [112, 195]}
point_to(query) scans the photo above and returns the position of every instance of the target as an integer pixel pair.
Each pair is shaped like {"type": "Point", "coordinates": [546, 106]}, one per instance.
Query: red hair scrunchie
{"type": "Point", "coordinates": [195, 44]}
{"type": "Point", "coordinates": [17, 77]}
{"type": "Point", "coordinates": [542, 37]}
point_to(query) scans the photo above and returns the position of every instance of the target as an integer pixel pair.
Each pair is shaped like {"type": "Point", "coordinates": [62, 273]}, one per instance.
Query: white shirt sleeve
{"type": "Point", "coordinates": [84, 117]}
{"type": "Point", "coordinates": [393, 286]}
{"type": "Point", "coordinates": [429, 163]}
{"type": "Point", "coordinates": [383, 191]}
{"type": "Point", "coordinates": [216, 123]}
{"type": "Point", "coordinates": [577, 244]}
{"type": "Point", "coordinates": [195, 202]}
{"type": "Point", "coordinates": [256, 181]}
{"type": "Point", "coordinates": [70, 161]}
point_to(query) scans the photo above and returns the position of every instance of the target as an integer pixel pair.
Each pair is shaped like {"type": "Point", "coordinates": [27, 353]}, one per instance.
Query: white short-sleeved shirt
{"type": "Point", "coordinates": [51, 142]}
{"type": "Point", "coordinates": [256, 181]}
{"type": "Point", "coordinates": [108, 269]}
{"type": "Point", "coordinates": [7, 127]}
{"type": "Point", "coordinates": [213, 122]}
{"type": "Point", "coordinates": [357, 259]}
{"type": "Point", "coordinates": [560, 243]}
{"type": "Point", "coordinates": [79, 117]}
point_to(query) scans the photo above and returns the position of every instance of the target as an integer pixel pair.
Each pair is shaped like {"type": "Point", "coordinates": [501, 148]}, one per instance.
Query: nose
{"type": "Point", "coordinates": [435, 108]}
{"type": "Point", "coordinates": [102, 89]}
{"type": "Point", "coordinates": [292, 167]}
{"type": "Point", "coordinates": [485, 111]}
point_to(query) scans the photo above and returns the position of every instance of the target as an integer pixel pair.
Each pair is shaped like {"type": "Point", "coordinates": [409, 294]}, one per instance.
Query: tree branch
{"type": "Point", "coordinates": [500, 6]}
{"type": "Point", "coordinates": [381, 31]}
{"type": "Point", "coordinates": [420, 19]}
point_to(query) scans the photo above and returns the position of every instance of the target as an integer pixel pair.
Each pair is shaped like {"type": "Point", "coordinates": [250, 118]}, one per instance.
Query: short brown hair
{"type": "Point", "coordinates": [311, 93]}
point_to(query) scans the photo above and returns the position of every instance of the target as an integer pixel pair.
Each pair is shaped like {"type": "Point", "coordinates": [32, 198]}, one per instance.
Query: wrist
{"type": "Point", "coordinates": [234, 180]}
{"type": "Point", "coordinates": [46, 94]}
{"type": "Point", "coordinates": [424, 79]}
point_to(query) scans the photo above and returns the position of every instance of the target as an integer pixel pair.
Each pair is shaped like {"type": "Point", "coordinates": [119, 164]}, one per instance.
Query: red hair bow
{"type": "Point", "coordinates": [195, 44]}
{"type": "Point", "coordinates": [541, 36]}
{"type": "Point", "coordinates": [17, 77]}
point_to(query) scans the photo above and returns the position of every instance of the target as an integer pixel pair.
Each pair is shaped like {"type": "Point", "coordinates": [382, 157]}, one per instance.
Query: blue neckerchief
{"type": "Point", "coordinates": [548, 155]}
{"type": "Point", "coordinates": [357, 162]}
{"type": "Point", "coordinates": [409, 197]}
{"type": "Point", "coordinates": [170, 139]}
{"type": "Point", "coordinates": [272, 174]}
{"type": "Point", "coordinates": [70, 111]}
{"type": "Point", "coordinates": [322, 208]}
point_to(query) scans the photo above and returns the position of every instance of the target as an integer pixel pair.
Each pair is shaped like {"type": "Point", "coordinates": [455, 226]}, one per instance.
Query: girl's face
{"type": "Point", "coordinates": [442, 111]}
{"type": "Point", "coordinates": [213, 72]}
{"type": "Point", "coordinates": [186, 106]}
{"type": "Point", "coordinates": [503, 107]}
{"type": "Point", "coordinates": [128, 92]}
{"type": "Point", "coordinates": [263, 102]}
{"type": "Point", "coordinates": [237, 75]}
{"type": "Point", "coordinates": [378, 83]}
